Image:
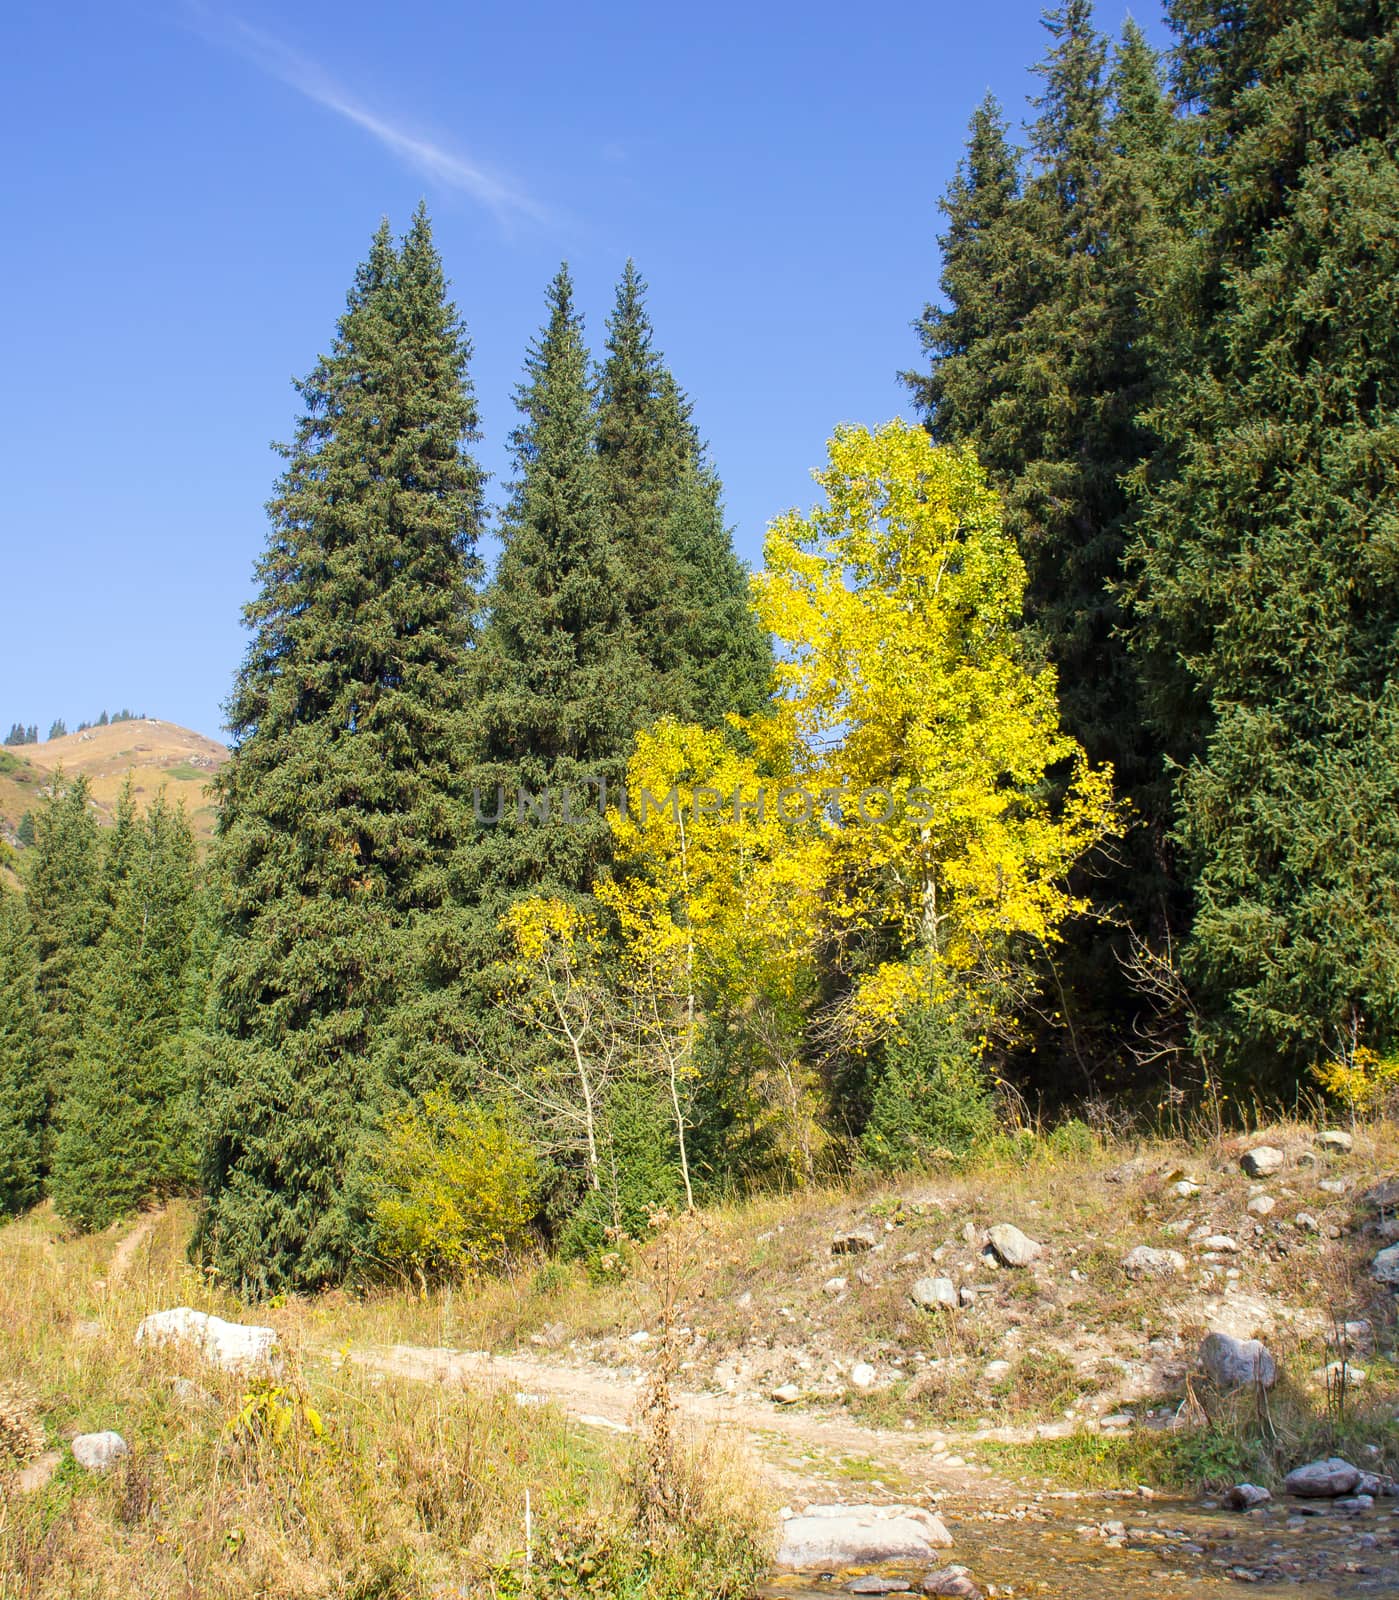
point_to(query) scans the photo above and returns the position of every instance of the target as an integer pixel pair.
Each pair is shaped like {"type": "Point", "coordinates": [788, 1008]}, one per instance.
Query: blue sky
{"type": "Point", "coordinates": [189, 189]}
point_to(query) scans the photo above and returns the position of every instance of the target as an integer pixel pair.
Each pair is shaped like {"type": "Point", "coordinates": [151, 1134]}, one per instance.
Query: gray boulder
{"type": "Point", "coordinates": [1385, 1267]}
{"type": "Point", "coordinates": [1244, 1496]}
{"type": "Point", "coordinates": [1330, 1479]}
{"type": "Point", "coordinates": [98, 1452]}
{"type": "Point", "coordinates": [1013, 1248]}
{"type": "Point", "coordinates": [1262, 1161]}
{"type": "Point", "coordinates": [935, 1294]}
{"type": "Point", "coordinates": [1141, 1261]}
{"type": "Point", "coordinates": [1336, 1140]}
{"type": "Point", "coordinates": [1232, 1363]}
{"type": "Point", "coordinates": [834, 1536]}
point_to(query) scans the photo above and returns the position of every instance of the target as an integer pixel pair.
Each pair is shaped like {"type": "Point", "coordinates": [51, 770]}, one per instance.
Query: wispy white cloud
{"type": "Point", "coordinates": [278, 60]}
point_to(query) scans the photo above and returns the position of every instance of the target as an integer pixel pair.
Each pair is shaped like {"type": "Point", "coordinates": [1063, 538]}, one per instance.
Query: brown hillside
{"type": "Point", "coordinates": [154, 752]}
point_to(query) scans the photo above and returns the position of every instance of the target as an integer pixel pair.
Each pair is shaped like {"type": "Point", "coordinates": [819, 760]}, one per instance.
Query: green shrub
{"type": "Point", "coordinates": [453, 1187]}
{"type": "Point", "coordinates": [1073, 1139]}
{"type": "Point", "coordinates": [639, 1172]}
{"type": "Point", "coordinates": [931, 1094]}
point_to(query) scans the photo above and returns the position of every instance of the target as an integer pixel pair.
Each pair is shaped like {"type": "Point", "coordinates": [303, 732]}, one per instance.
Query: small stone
{"type": "Point", "coordinates": [1118, 1419]}
{"type": "Point", "coordinates": [862, 1375]}
{"type": "Point", "coordinates": [97, 1452]}
{"type": "Point", "coordinates": [1186, 1189]}
{"type": "Point", "coordinates": [1333, 1186]}
{"type": "Point", "coordinates": [1261, 1205]}
{"type": "Point", "coordinates": [1221, 1242]}
{"type": "Point", "coordinates": [1232, 1363]}
{"type": "Point", "coordinates": [854, 1241]}
{"type": "Point", "coordinates": [1244, 1496]}
{"type": "Point", "coordinates": [955, 1582]}
{"type": "Point", "coordinates": [1013, 1248]}
{"type": "Point", "coordinates": [934, 1294]}
{"type": "Point", "coordinates": [785, 1395]}
{"type": "Point", "coordinates": [1262, 1161]}
{"type": "Point", "coordinates": [1307, 1222]}
{"type": "Point", "coordinates": [1338, 1372]}
{"type": "Point", "coordinates": [640, 1337]}
{"type": "Point", "coordinates": [34, 1476]}
{"type": "Point", "coordinates": [834, 1286]}
{"type": "Point", "coordinates": [969, 1233]}
{"type": "Point", "coordinates": [1385, 1267]}
{"type": "Point", "coordinates": [994, 1371]}
{"type": "Point", "coordinates": [877, 1585]}
{"type": "Point", "coordinates": [1330, 1479]}
{"type": "Point", "coordinates": [1141, 1261]}
{"type": "Point", "coordinates": [1354, 1502]}
{"type": "Point", "coordinates": [1336, 1140]}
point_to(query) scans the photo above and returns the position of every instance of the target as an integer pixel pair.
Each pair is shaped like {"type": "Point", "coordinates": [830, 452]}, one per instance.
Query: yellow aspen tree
{"type": "Point", "coordinates": [896, 609]}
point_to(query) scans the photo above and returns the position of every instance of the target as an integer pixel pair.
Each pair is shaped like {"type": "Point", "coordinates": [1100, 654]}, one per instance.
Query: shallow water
{"type": "Point", "coordinates": [1056, 1545]}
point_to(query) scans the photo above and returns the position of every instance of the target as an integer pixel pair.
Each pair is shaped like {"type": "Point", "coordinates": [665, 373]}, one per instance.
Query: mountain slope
{"type": "Point", "coordinates": [154, 752]}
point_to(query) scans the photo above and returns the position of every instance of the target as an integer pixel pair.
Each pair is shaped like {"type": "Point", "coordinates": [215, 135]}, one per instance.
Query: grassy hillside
{"type": "Point", "coordinates": [153, 752]}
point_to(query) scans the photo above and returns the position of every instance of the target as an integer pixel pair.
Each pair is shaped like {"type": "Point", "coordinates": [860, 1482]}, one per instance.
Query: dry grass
{"type": "Point", "coordinates": [1078, 1336]}
{"type": "Point", "coordinates": [323, 1481]}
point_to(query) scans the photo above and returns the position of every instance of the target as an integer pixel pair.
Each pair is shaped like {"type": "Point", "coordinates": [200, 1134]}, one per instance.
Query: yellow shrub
{"type": "Point", "coordinates": [454, 1187]}
{"type": "Point", "coordinates": [1363, 1078]}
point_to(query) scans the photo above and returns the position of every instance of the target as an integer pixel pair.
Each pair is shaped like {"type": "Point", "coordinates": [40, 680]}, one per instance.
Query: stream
{"type": "Point", "coordinates": [1094, 1547]}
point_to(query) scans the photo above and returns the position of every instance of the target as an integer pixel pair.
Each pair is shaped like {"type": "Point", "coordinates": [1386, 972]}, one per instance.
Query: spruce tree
{"type": "Point", "coordinates": [557, 678]}
{"type": "Point", "coordinates": [1265, 563]}
{"type": "Point", "coordinates": [121, 1115]}
{"type": "Point", "coordinates": [343, 800]}
{"type": "Point", "coordinates": [686, 593]}
{"type": "Point", "coordinates": [1042, 360]}
{"type": "Point", "coordinates": [67, 913]}
{"type": "Point", "coordinates": [22, 1091]}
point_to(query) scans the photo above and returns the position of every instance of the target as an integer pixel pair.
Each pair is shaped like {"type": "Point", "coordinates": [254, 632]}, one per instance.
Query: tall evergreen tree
{"type": "Point", "coordinates": [686, 592]}
{"type": "Point", "coordinates": [1266, 564]}
{"type": "Point", "coordinates": [557, 678]}
{"type": "Point", "coordinates": [121, 1116]}
{"type": "Point", "coordinates": [1042, 360]}
{"type": "Point", "coordinates": [67, 913]}
{"type": "Point", "coordinates": [22, 1093]}
{"type": "Point", "coordinates": [342, 803]}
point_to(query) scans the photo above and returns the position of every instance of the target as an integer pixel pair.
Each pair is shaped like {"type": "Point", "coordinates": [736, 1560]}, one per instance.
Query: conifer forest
{"type": "Point", "coordinates": [564, 869]}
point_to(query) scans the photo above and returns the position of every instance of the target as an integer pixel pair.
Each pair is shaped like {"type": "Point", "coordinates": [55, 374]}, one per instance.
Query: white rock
{"type": "Point", "coordinates": [1335, 1139]}
{"type": "Point", "coordinates": [786, 1394]}
{"type": "Point", "coordinates": [1232, 1363]}
{"type": "Point", "coordinates": [1306, 1222]}
{"type": "Point", "coordinates": [862, 1375]}
{"type": "Point", "coordinates": [232, 1345]}
{"type": "Point", "coordinates": [1222, 1242]}
{"type": "Point", "coordinates": [835, 1536]}
{"type": "Point", "coordinates": [1013, 1248]}
{"type": "Point", "coordinates": [1141, 1261]}
{"type": "Point", "coordinates": [1333, 1186]}
{"type": "Point", "coordinates": [994, 1371]}
{"type": "Point", "coordinates": [1261, 1205]}
{"type": "Point", "coordinates": [834, 1286]}
{"type": "Point", "coordinates": [934, 1294]}
{"type": "Point", "coordinates": [639, 1337]}
{"type": "Point", "coordinates": [1186, 1189]}
{"type": "Point", "coordinates": [1323, 1480]}
{"type": "Point", "coordinates": [97, 1452]}
{"type": "Point", "coordinates": [1262, 1161]}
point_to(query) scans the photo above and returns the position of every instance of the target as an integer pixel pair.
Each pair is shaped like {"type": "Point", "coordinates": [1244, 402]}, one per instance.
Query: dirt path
{"type": "Point", "coordinates": [125, 1252]}
{"type": "Point", "coordinates": [798, 1447]}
